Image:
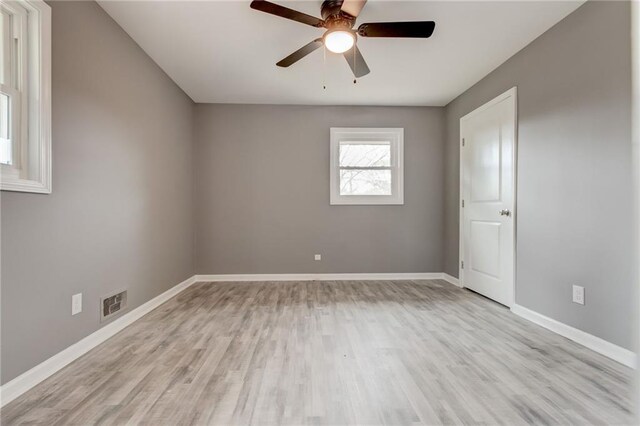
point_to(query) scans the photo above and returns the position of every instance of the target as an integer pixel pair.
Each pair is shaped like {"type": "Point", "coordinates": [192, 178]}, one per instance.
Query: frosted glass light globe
{"type": "Point", "coordinates": [339, 41]}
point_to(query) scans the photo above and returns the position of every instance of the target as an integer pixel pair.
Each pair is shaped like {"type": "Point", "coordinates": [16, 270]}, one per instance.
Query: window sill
{"type": "Point", "coordinates": [370, 200]}
{"type": "Point", "coordinates": [12, 182]}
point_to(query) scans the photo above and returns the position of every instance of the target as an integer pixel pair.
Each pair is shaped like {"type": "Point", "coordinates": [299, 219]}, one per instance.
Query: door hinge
{"type": "Point", "coordinates": [462, 141]}
{"type": "Point", "coordinates": [462, 264]}
{"type": "Point", "coordinates": [462, 203]}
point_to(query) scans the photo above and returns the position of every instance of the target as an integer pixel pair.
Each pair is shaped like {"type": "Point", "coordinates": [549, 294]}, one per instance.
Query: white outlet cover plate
{"type": "Point", "coordinates": [76, 304]}
{"type": "Point", "coordinates": [578, 294]}
{"type": "Point", "coordinates": [318, 257]}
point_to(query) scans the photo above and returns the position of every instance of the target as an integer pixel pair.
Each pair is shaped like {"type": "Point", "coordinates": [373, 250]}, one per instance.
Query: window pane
{"type": "Point", "coordinates": [365, 182]}
{"type": "Point", "coordinates": [5, 141]}
{"type": "Point", "coordinates": [365, 155]}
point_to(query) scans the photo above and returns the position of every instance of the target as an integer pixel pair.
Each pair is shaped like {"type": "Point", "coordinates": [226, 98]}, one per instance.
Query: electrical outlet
{"type": "Point", "coordinates": [578, 294]}
{"type": "Point", "coordinates": [317, 257]}
{"type": "Point", "coordinates": [76, 304]}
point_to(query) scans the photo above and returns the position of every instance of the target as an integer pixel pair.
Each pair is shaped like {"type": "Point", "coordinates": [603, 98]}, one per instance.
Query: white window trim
{"type": "Point", "coordinates": [396, 136]}
{"type": "Point", "coordinates": [33, 173]}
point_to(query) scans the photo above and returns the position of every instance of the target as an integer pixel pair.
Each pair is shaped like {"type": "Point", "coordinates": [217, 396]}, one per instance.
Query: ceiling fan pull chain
{"type": "Point", "coordinates": [324, 67]}
{"type": "Point", "coordinates": [355, 65]}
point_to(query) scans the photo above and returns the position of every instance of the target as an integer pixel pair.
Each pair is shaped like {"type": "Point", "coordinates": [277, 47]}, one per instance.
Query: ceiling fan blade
{"type": "Point", "coordinates": [356, 62]}
{"type": "Point", "coordinates": [285, 12]}
{"type": "Point", "coordinates": [353, 7]}
{"type": "Point", "coordinates": [421, 29]}
{"type": "Point", "coordinates": [300, 53]}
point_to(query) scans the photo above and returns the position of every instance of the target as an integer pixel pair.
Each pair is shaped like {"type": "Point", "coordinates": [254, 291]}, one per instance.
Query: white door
{"type": "Point", "coordinates": [487, 192]}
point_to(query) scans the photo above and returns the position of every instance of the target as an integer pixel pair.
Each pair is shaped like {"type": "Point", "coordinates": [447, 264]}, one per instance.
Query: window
{"type": "Point", "coordinates": [25, 96]}
{"type": "Point", "coordinates": [366, 166]}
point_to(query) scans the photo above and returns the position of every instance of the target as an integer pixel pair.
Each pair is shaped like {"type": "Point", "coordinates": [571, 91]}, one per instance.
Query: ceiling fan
{"type": "Point", "coordinates": [339, 17]}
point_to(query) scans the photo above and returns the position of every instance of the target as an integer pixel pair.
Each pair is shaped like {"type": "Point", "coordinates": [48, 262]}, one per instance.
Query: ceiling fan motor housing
{"type": "Point", "coordinates": [334, 17]}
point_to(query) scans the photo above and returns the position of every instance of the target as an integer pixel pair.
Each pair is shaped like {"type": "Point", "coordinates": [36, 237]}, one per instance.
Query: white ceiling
{"type": "Point", "coordinates": [225, 52]}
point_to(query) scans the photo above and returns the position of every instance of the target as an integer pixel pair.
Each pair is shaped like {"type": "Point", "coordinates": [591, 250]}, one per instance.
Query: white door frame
{"type": "Point", "coordinates": [513, 94]}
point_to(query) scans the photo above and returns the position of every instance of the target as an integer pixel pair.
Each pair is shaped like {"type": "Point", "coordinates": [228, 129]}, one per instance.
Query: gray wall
{"type": "Point", "coordinates": [262, 191]}
{"type": "Point", "coordinates": [121, 210]}
{"type": "Point", "coordinates": [574, 170]}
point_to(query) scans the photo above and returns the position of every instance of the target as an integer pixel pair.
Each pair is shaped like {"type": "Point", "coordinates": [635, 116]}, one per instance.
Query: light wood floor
{"type": "Point", "coordinates": [366, 352]}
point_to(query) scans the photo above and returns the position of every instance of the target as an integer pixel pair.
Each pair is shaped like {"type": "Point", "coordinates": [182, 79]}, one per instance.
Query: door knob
{"type": "Point", "coordinates": [505, 212]}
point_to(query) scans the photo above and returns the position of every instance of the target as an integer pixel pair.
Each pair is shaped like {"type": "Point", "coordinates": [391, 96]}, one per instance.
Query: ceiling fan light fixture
{"type": "Point", "coordinates": [339, 41]}
{"type": "Point", "coordinates": [339, 18]}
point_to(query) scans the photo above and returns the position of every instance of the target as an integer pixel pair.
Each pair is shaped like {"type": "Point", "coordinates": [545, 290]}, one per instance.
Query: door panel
{"type": "Point", "coordinates": [485, 248]}
{"type": "Point", "coordinates": [485, 161]}
{"type": "Point", "coordinates": [487, 191]}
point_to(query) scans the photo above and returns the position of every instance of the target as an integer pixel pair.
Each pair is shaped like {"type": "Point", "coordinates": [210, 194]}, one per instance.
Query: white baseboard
{"type": "Point", "coordinates": [616, 353]}
{"type": "Point", "coordinates": [321, 277]}
{"type": "Point", "coordinates": [451, 279]}
{"type": "Point", "coordinates": [16, 387]}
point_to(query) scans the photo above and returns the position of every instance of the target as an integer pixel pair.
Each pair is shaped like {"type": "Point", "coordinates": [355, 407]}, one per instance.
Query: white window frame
{"type": "Point", "coordinates": [30, 93]}
{"type": "Point", "coordinates": [395, 136]}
